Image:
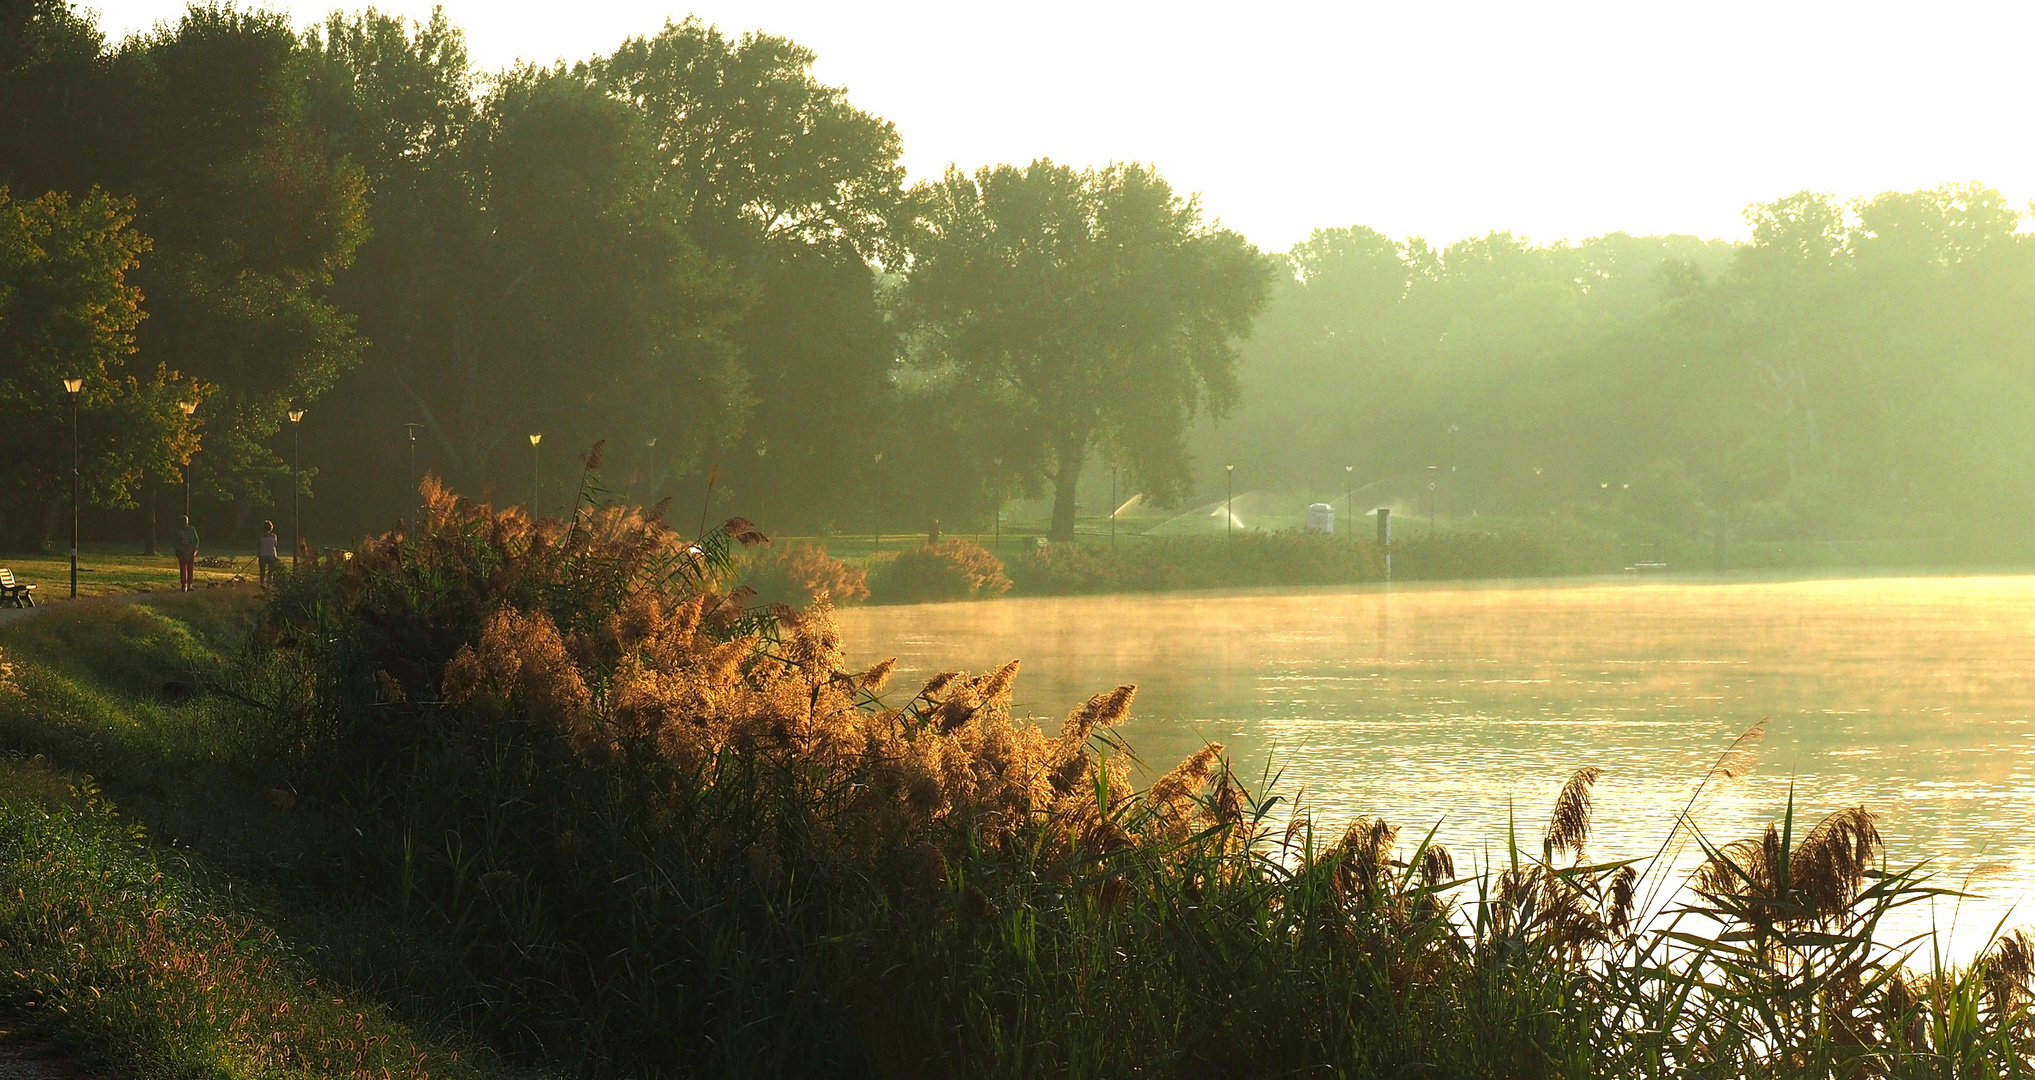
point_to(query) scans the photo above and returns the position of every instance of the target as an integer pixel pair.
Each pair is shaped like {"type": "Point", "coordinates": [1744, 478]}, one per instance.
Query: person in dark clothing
{"type": "Point", "coordinates": [187, 554]}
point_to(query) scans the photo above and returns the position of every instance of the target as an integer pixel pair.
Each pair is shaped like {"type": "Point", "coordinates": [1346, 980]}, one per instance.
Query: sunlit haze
{"type": "Point", "coordinates": [1442, 120]}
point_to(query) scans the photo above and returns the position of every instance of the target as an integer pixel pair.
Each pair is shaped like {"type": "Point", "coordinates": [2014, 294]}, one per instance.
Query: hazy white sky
{"type": "Point", "coordinates": [1442, 119]}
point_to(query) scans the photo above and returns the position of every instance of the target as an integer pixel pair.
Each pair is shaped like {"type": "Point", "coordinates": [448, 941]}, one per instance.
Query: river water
{"type": "Point", "coordinates": [1467, 705]}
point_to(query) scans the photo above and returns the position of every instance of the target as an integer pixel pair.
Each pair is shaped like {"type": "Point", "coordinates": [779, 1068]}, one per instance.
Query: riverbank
{"type": "Point", "coordinates": [566, 801]}
{"type": "Point", "coordinates": [859, 569]}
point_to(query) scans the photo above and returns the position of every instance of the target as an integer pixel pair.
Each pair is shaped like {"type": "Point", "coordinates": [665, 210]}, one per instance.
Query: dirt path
{"type": "Point", "coordinates": [21, 1059]}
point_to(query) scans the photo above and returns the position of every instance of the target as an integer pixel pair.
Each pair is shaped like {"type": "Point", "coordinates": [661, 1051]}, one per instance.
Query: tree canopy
{"type": "Point", "coordinates": [694, 249]}
{"type": "Point", "coordinates": [1092, 309]}
{"type": "Point", "coordinates": [67, 311]}
{"type": "Point", "coordinates": [1854, 370]}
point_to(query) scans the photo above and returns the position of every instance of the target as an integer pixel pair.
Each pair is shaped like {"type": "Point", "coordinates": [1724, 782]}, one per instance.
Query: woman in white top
{"type": "Point", "coordinates": [265, 555]}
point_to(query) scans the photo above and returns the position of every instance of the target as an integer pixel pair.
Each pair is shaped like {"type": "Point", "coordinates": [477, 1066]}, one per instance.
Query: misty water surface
{"type": "Point", "coordinates": [1912, 696]}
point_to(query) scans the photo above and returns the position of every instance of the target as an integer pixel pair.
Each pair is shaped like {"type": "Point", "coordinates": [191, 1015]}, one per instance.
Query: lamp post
{"type": "Point", "coordinates": [73, 387]}
{"type": "Point", "coordinates": [535, 438]}
{"type": "Point", "coordinates": [412, 429]}
{"type": "Point", "coordinates": [876, 540]}
{"type": "Point", "coordinates": [188, 407]}
{"type": "Point", "coordinates": [296, 485]}
{"type": "Point", "coordinates": [1112, 509]}
{"type": "Point", "coordinates": [1452, 456]}
{"type": "Point", "coordinates": [1350, 499]}
{"type": "Point", "coordinates": [1229, 502]}
{"type": "Point", "coordinates": [998, 481]}
{"type": "Point", "coordinates": [1433, 471]}
{"type": "Point", "coordinates": [650, 458]}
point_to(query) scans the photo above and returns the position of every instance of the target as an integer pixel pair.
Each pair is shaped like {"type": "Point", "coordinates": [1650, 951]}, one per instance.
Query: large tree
{"type": "Point", "coordinates": [201, 124]}
{"type": "Point", "coordinates": [524, 275]}
{"type": "Point", "coordinates": [1094, 309]}
{"type": "Point", "coordinates": [67, 311]}
{"type": "Point", "coordinates": [797, 193]}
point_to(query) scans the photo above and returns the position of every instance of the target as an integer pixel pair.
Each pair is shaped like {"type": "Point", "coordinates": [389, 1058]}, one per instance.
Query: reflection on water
{"type": "Point", "coordinates": [1914, 697]}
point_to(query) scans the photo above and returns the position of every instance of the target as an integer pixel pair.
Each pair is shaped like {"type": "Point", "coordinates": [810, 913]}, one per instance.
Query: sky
{"type": "Point", "coordinates": [1437, 119]}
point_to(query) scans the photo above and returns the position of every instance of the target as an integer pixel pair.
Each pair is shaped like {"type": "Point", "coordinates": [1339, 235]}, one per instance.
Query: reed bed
{"type": "Point", "coordinates": [642, 825]}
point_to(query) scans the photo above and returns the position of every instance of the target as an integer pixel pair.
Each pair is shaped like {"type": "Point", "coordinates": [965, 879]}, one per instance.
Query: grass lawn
{"type": "Point", "coordinates": [111, 571]}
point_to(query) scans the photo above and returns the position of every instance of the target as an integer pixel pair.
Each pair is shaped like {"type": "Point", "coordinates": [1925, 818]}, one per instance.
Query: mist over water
{"type": "Point", "coordinates": [1914, 697]}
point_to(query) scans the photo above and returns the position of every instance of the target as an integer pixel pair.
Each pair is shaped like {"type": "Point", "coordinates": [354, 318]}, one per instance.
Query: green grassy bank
{"type": "Point", "coordinates": [123, 948]}
{"type": "Point", "coordinates": [549, 795]}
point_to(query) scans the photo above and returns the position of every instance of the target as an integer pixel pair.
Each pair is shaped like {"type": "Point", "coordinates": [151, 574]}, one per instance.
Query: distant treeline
{"type": "Point", "coordinates": [693, 252]}
{"type": "Point", "coordinates": [1855, 371]}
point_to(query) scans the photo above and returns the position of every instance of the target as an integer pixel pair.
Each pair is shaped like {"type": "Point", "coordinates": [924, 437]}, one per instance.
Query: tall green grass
{"type": "Point", "coordinates": [113, 954]}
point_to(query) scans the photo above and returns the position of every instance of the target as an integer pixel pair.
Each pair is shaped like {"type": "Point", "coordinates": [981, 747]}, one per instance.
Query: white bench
{"type": "Point", "coordinates": [14, 593]}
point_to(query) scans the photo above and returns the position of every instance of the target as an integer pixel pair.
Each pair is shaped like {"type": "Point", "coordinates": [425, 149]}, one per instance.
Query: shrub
{"type": "Point", "coordinates": [802, 573]}
{"type": "Point", "coordinates": [952, 569]}
{"type": "Point", "coordinates": [1066, 569]}
{"type": "Point", "coordinates": [640, 777]}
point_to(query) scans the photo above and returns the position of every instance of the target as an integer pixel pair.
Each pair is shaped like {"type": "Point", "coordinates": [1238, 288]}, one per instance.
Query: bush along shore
{"type": "Point", "coordinates": [959, 569]}
{"type": "Point", "coordinates": [549, 791]}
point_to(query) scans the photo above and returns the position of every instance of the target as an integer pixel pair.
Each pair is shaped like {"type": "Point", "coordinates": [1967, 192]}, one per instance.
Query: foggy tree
{"type": "Point", "coordinates": [1095, 308]}
{"type": "Point", "coordinates": [1855, 370]}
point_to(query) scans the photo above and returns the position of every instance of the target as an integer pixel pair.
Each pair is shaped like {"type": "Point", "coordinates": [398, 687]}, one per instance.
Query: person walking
{"type": "Point", "coordinates": [187, 554]}
{"type": "Point", "coordinates": [265, 555]}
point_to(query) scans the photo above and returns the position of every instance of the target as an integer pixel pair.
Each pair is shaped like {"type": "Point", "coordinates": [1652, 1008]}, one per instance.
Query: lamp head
{"type": "Point", "coordinates": [74, 385]}
{"type": "Point", "coordinates": [652, 443]}
{"type": "Point", "coordinates": [1349, 468]}
{"type": "Point", "coordinates": [1229, 468]}
{"type": "Point", "coordinates": [297, 416]}
{"type": "Point", "coordinates": [189, 407]}
{"type": "Point", "coordinates": [536, 437]}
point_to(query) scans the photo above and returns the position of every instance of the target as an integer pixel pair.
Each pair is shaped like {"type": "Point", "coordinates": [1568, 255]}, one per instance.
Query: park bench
{"type": "Point", "coordinates": [14, 593]}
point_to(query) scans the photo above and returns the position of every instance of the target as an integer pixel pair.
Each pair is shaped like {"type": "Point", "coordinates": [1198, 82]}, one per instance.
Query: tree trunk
{"type": "Point", "coordinates": [1066, 478]}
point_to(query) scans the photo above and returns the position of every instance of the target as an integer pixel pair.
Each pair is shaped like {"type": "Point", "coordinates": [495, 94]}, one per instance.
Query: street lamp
{"type": "Point", "coordinates": [296, 485]}
{"type": "Point", "coordinates": [996, 485]}
{"type": "Point", "coordinates": [650, 457]}
{"type": "Point", "coordinates": [1229, 502]}
{"type": "Point", "coordinates": [1452, 456]}
{"type": "Point", "coordinates": [73, 387]}
{"type": "Point", "coordinates": [1432, 472]}
{"type": "Point", "coordinates": [535, 438]}
{"type": "Point", "coordinates": [876, 540]}
{"type": "Point", "coordinates": [412, 429]}
{"type": "Point", "coordinates": [1350, 498]}
{"type": "Point", "coordinates": [188, 408]}
{"type": "Point", "coordinates": [1112, 509]}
